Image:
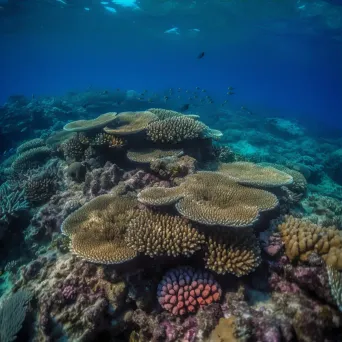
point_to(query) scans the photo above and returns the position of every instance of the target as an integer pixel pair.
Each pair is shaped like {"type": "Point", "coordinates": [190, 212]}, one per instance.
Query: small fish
{"type": "Point", "coordinates": [185, 107]}
{"type": "Point", "coordinates": [230, 93]}
{"type": "Point", "coordinates": [197, 88]}
{"type": "Point", "coordinates": [117, 89]}
{"type": "Point", "coordinates": [203, 90]}
{"type": "Point", "coordinates": [230, 88]}
{"type": "Point", "coordinates": [201, 55]}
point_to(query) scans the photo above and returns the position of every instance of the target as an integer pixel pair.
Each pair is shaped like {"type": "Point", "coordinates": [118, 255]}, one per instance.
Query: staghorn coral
{"type": "Point", "coordinates": [12, 315]}
{"type": "Point", "coordinates": [184, 290]}
{"type": "Point", "coordinates": [335, 282]}
{"type": "Point", "coordinates": [151, 154]}
{"type": "Point", "coordinates": [303, 238]}
{"type": "Point", "coordinates": [255, 175]}
{"type": "Point", "coordinates": [73, 149]}
{"type": "Point", "coordinates": [163, 114]}
{"type": "Point", "coordinates": [28, 145]}
{"type": "Point", "coordinates": [31, 158]}
{"type": "Point", "coordinates": [88, 125]}
{"type": "Point", "coordinates": [211, 198]}
{"type": "Point", "coordinates": [236, 253]}
{"type": "Point", "coordinates": [156, 234]}
{"type": "Point", "coordinates": [175, 130]}
{"type": "Point", "coordinates": [131, 122]}
{"type": "Point", "coordinates": [97, 230]}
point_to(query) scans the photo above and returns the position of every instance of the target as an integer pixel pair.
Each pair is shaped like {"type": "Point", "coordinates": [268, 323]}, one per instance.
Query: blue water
{"type": "Point", "coordinates": [282, 58]}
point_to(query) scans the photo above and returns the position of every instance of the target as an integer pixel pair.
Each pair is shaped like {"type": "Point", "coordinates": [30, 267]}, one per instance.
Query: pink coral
{"type": "Point", "coordinates": [184, 290]}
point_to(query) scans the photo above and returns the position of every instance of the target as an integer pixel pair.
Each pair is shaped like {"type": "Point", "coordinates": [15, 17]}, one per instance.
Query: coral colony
{"type": "Point", "coordinates": [153, 226]}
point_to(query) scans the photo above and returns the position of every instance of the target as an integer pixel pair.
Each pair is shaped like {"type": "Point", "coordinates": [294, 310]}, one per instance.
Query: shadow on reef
{"type": "Point", "coordinates": [142, 226]}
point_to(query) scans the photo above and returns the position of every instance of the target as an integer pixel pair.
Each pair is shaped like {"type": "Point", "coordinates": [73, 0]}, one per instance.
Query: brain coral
{"type": "Point", "coordinates": [184, 290]}
{"type": "Point", "coordinates": [154, 234]}
{"type": "Point", "coordinates": [88, 125]}
{"type": "Point", "coordinates": [175, 129]}
{"type": "Point", "coordinates": [303, 238]}
{"type": "Point", "coordinates": [234, 253]}
{"type": "Point", "coordinates": [127, 123]}
{"type": "Point", "coordinates": [97, 230]}
{"type": "Point", "coordinates": [151, 154]}
{"type": "Point", "coordinates": [256, 175]}
{"type": "Point", "coordinates": [211, 198]}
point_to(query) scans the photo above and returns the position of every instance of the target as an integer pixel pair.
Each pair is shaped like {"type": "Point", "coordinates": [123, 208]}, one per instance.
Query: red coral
{"type": "Point", "coordinates": [184, 290]}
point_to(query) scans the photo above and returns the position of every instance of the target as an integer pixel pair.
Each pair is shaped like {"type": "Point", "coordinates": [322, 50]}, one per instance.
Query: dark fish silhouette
{"type": "Point", "coordinates": [201, 55]}
{"type": "Point", "coordinates": [185, 107]}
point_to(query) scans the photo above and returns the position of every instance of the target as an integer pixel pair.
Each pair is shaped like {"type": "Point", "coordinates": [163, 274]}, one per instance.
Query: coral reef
{"type": "Point", "coordinates": [302, 238]}
{"type": "Point", "coordinates": [183, 290]}
{"type": "Point", "coordinates": [156, 234]}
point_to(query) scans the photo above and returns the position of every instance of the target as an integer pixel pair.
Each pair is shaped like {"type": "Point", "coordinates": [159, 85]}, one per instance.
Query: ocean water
{"type": "Point", "coordinates": [264, 79]}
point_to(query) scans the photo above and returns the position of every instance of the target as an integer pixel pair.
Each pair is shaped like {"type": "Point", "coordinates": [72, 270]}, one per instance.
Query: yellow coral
{"type": "Point", "coordinates": [127, 123]}
{"type": "Point", "coordinates": [213, 199]}
{"type": "Point", "coordinates": [87, 125]}
{"type": "Point", "coordinates": [156, 234]}
{"type": "Point", "coordinates": [97, 230]}
{"type": "Point", "coordinates": [302, 238]}
{"type": "Point", "coordinates": [254, 174]}
{"type": "Point", "coordinates": [151, 154]}
{"type": "Point", "coordinates": [238, 254]}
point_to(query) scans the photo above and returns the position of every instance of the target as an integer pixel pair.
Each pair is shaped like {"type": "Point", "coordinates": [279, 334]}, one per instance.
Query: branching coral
{"type": "Point", "coordinates": [256, 175]}
{"type": "Point", "coordinates": [101, 139]}
{"type": "Point", "coordinates": [131, 122]}
{"type": "Point", "coordinates": [31, 158]}
{"type": "Point", "coordinates": [234, 253]}
{"type": "Point", "coordinates": [175, 130]}
{"type": "Point", "coordinates": [302, 238]}
{"type": "Point", "coordinates": [156, 234]}
{"type": "Point", "coordinates": [163, 114]}
{"type": "Point", "coordinates": [151, 155]}
{"type": "Point", "coordinates": [12, 315]}
{"type": "Point", "coordinates": [97, 230]}
{"type": "Point", "coordinates": [11, 202]}
{"type": "Point", "coordinates": [88, 125]}
{"type": "Point", "coordinates": [41, 187]}
{"type": "Point", "coordinates": [73, 149]}
{"type": "Point", "coordinates": [211, 198]}
{"type": "Point", "coordinates": [30, 144]}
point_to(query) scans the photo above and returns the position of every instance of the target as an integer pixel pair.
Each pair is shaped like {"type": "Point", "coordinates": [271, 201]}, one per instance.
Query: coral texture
{"type": "Point", "coordinates": [151, 155]}
{"type": "Point", "coordinates": [184, 290]}
{"type": "Point", "coordinates": [302, 238]}
{"type": "Point", "coordinates": [156, 234]}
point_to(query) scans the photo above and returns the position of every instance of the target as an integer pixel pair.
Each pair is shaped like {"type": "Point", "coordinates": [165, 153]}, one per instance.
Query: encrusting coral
{"type": "Point", "coordinates": [302, 238]}
{"type": "Point", "coordinates": [212, 198]}
{"type": "Point", "coordinates": [157, 234]}
{"type": "Point", "coordinates": [97, 230]}
{"type": "Point", "coordinates": [127, 123]}
{"type": "Point", "coordinates": [151, 155]}
{"type": "Point", "coordinates": [88, 125]}
{"type": "Point", "coordinates": [184, 290]}
{"type": "Point", "coordinates": [234, 253]}
{"type": "Point", "coordinates": [247, 173]}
